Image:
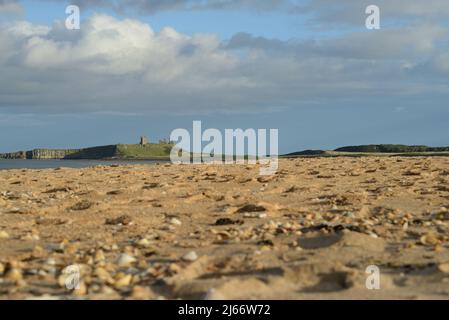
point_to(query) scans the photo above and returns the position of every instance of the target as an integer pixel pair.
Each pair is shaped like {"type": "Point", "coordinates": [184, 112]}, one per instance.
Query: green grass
{"type": "Point", "coordinates": [334, 154]}
{"type": "Point", "coordinates": [148, 151]}
{"type": "Point", "coordinates": [391, 148]}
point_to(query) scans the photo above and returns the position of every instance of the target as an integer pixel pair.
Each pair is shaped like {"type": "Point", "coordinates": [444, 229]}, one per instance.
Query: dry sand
{"type": "Point", "coordinates": [224, 232]}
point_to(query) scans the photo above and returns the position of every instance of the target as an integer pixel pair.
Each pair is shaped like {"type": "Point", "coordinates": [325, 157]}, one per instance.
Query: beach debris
{"type": "Point", "coordinates": [115, 192]}
{"type": "Point", "coordinates": [126, 260]}
{"type": "Point", "coordinates": [444, 267]}
{"type": "Point", "coordinates": [150, 185]}
{"type": "Point", "coordinates": [259, 215]}
{"type": "Point", "coordinates": [190, 256]}
{"type": "Point", "coordinates": [81, 206]}
{"type": "Point", "coordinates": [331, 228]}
{"type": "Point", "coordinates": [175, 221]}
{"type": "Point", "coordinates": [251, 208]}
{"type": "Point", "coordinates": [121, 220]}
{"type": "Point", "coordinates": [60, 189]}
{"type": "Point", "coordinates": [4, 235]}
{"type": "Point", "coordinates": [143, 243]}
{"type": "Point", "coordinates": [412, 173]}
{"type": "Point", "coordinates": [227, 221]}
{"type": "Point", "coordinates": [429, 239]}
{"type": "Point", "coordinates": [266, 242]}
{"type": "Point", "coordinates": [14, 274]}
{"type": "Point", "coordinates": [142, 293]}
{"type": "Point", "coordinates": [122, 280]}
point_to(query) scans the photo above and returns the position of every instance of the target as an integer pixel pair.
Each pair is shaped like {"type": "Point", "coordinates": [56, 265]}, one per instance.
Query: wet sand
{"type": "Point", "coordinates": [224, 232]}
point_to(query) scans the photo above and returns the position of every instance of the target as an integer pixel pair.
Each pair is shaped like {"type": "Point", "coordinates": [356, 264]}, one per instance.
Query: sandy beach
{"type": "Point", "coordinates": [224, 232]}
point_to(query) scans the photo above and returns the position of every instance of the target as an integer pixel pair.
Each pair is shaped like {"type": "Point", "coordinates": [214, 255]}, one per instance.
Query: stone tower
{"type": "Point", "coordinates": [144, 140]}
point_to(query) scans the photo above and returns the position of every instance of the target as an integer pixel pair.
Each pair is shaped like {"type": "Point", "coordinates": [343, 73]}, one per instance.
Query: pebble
{"type": "Point", "coordinates": [142, 293]}
{"type": "Point", "coordinates": [123, 280]}
{"type": "Point", "coordinates": [175, 221]}
{"type": "Point", "coordinates": [429, 240]}
{"type": "Point", "coordinates": [4, 235]}
{"type": "Point", "coordinates": [82, 289]}
{"type": "Point", "coordinates": [174, 268]}
{"type": "Point", "coordinates": [31, 237]}
{"type": "Point", "coordinates": [143, 243]}
{"type": "Point", "coordinates": [125, 260]}
{"type": "Point", "coordinates": [102, 274]}
{"type": "Point", "coordinates": [122, 220]}
{"type": "Point", "coordinates": [99, 256]}
{"type": "Point", "coordinates": [444, 267]}
{"type": "Point", "coordinates": [2, 269]}
{"type": "Point", "coordinates": [14, 274]}
{"type": "Point", "coordinates": [190, 256]}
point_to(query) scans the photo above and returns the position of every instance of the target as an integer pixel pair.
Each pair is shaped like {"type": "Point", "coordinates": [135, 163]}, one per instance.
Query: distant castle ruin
{"type": "Point", "coordinates": [144, 140]}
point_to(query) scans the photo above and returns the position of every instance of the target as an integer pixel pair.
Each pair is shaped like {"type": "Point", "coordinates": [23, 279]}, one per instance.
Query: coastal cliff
{"type": "Point", "coordinates": [39, 154]}
{"type": "Point", "coordinates": [43, 154]}
{"type": "Point", "coordinates": [119, 151]}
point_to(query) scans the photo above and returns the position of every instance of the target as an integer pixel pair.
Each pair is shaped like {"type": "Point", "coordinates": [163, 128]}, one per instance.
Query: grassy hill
{"type": "Point", "coordinates": [374, 150]}
{"type": "Point", "coordinates": [148, 151]}
{"type": "Point", "coordinates": [391, 148]}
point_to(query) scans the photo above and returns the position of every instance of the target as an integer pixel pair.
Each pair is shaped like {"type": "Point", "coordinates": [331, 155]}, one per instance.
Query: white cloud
{"type": "Point", "coordinates": [124, 66]}
{"type": "Point", "coordinates": [328, 12]}
{"type": "Point", "coordinates": [8, 7]}
{"type": "Point", "coordinates": [155, 6]}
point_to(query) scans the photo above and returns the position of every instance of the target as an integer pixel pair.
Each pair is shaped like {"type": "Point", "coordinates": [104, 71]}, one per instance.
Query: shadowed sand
{"type": "Point", "coordinates": [224, 232]}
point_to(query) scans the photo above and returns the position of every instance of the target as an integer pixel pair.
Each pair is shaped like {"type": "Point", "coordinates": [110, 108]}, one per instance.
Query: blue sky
{"type": "Point", "coordinates": [268, 24]}
{"type": "Point", "coordinates": [307, 68]}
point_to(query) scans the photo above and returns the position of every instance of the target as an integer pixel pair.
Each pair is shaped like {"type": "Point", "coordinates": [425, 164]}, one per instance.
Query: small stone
{"type": "Point", "coordinates": [122, 220]}
{"type": "Point", "coordinates": [82, 205]}
{"type": "Point", "coordinates": [175, 222]}
{"type": "Point", "coordinates": [190, 256]}
{"type": "Point", "coordinates": [142, 293]}
{"type": "Point", "coordinates": [174, 268]}
{"type": "Point", "coordinates": [265, 242]}
{"type": "Point", "coordinates": [444, 267]}
{"type": "Point", "coordinates": [14, 274]}
{"type": "Point", "coordinates": [103, 275]}
{"type": "Point", "coordinates": [81, 290]}
{"type": "Point", "coordinates": [123, 280]}
{"type": "Point", "coordinates": [2, 269]}
{"type": "Point", "coordinates": [30, 237]}
{"type": "Point", "coordinates": [4, 235]}
{"type": "Point", "coordinates": [143, 243]}
{"type": "Point", "coordinates": [227, 221]}
{"type": "Point", "coordinates": [125, 260]}
{"type": "Point", "coordinates": [429, 240]}
{"type": "Point", "coordinates": [99, 256]}
{"type": "Point", "coordinates": [107, 290]}
{"type": "Point", "coordinates": [251, 208]}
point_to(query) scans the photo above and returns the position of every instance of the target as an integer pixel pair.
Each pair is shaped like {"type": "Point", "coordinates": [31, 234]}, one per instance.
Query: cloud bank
{"type": "Point", "coordinates": [10, 7]}
{"type": "Point", "coordinates": [116, 65]}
